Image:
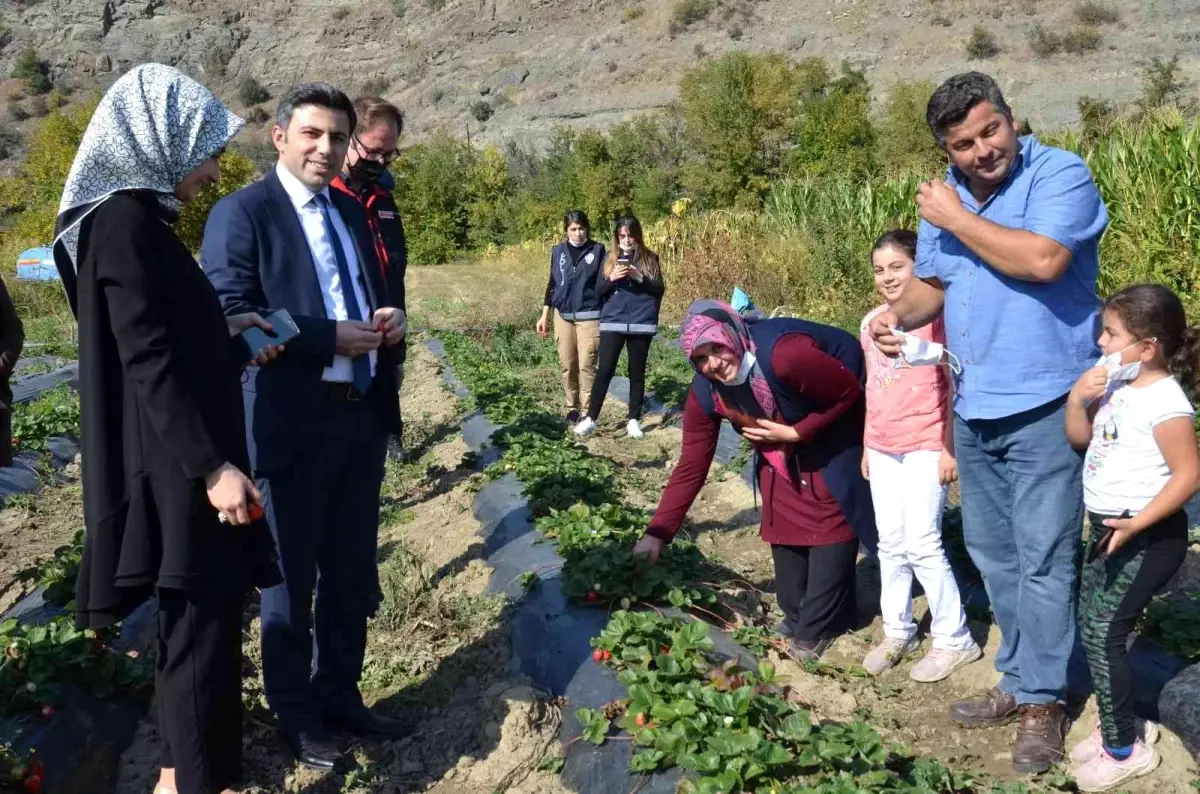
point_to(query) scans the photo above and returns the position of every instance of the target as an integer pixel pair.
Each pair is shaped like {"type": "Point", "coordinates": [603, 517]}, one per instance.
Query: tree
{"type": "Point", "coordinates": [903, 142]}
{"type": "Point", "coordinates": [490, 190]}
{"type": "Point", "coordinates": [835, 134]}
{"type": "Point", "coordinates": [252, 92]}
{"type": "Point", "coordinates": [432, 181]}
{"type": "Point", "coordinates": [237, 171]}
{"type": "Point", "coordinates": [32, 71]}
{"type": "Point", "coordinates": [738, 112]}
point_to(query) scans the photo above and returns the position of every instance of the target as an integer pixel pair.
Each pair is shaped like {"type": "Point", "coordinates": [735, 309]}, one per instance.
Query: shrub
{"type": "Point", "coordinates": [1092, 13]}
{"type": "Point", "coordinates": [735, 32]}
{"type": "Point", "coordinates": [339, 13]}
{"type": "Point", "coordinates": [1161, 84]}
{"type": "Point", "coordinates": [10, 139]}
{"type": "Point", "coordinates": [699, 51]}
{"type": "Point", "coordinates": [16, 112]}
{"type": "Point", "coordinates": [689, 12]}
{"type": "Point", "coordinates": [252, 92]}
{"type": "Point", "coordinates": [399, 7]}
{"type": "Point", "coordinates": [1095, 116]}
{"type": "Point", "coordinates": [940, 21]}
{"type": "Point", "coordinates": [435, 5]}
{"type": "Point", "coordinates": [375, 86]}
{"type": "Point", "coordinates": [32, 72]}
{"type": "Point", "coordinates": [257, 115]}
{"type": "Point", "coordinates": [634, 13]}
{"type": "Point", "coordinates": [39, 107]}
{"type": "Point", "coordinates": [481, 110]}
{"type": "Point", "coordinates": [904, 144]}
{"type": "Point", "coordinates": [1043, 42]}
{"type": "Point", "coordinates": [982, 44]}
{"type": "Point", "coordinates": [1081, 40]}
{"type": "Point", "coordinates": [237, 171]}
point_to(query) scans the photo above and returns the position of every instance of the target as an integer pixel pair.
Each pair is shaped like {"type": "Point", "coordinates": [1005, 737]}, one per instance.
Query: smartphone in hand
{"type": "Point", "coordinates": [1099, 548]}
{"type": "Point", "coordinates": [254, 339]}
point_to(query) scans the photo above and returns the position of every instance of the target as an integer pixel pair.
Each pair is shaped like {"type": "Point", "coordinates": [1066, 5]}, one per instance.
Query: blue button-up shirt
{"type": "Point", "coordinates": [1021, 344]}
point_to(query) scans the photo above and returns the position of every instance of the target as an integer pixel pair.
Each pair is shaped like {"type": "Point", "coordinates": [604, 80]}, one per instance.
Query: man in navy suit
{"type": "Point", "coordinates": [318, 418]}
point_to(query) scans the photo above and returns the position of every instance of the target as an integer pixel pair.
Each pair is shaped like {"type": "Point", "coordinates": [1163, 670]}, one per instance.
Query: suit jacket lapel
{"type": "Point", "coordinates": [280, 206]}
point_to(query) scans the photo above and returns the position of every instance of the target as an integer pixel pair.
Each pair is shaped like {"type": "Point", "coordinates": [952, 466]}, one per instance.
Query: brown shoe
{"type": "Point", "coordinates": [994, 707]}
{"type": "Point", "coordinates": [1040, 735]}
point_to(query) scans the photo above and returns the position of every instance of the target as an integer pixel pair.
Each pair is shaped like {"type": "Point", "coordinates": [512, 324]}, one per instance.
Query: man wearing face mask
{"type": "Point", "coordinates": [1007, 251]}
{"type": "Point", "coordinates": [366, 178]}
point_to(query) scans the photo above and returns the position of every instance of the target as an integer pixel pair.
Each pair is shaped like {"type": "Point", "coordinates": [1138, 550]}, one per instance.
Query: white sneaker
{"type": "Point", "coordinates": [888, 653]}
{"type": "Point", "coordinates": [634, 429]}
{"type": "Point", "coordinates": [1102, 772]}
{"type": "Point", "coordinates": [939, 663]}
{"type": "Point", "coordinates": [585, 427]}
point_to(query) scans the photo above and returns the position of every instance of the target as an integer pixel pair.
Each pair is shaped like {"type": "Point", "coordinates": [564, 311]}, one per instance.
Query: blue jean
{"type": "Point", "coordinates": [1022, 505]}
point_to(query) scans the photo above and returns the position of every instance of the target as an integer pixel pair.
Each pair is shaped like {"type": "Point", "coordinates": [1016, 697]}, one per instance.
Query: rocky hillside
{"type": "Point", "coordinates": [535, 64]}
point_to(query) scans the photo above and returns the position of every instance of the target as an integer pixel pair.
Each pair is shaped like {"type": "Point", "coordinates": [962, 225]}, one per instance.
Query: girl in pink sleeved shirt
{"type": "Point", "coordinates": [909, 459]}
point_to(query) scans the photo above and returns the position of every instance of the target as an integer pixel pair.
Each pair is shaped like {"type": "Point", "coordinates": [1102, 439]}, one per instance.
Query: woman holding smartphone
{"type": "Point", "coordinates": [169, 508]}
{"type": "Point", "coordinates": [572, 292]}
{"type": "Point", "coordinates": [632, 290]}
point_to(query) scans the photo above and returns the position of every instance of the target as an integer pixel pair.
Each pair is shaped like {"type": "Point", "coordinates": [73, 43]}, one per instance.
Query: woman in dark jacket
{"type": "Point", "coordinates": [573, 293]}
{"type": "Point", "coordinates": [794, 390]}
{"type": "Point", "coordinates": [169, 509]}
{"type": "Point", "coordinates": [12, 341]}
{"type": "Point", "coordinates": [631, 289]}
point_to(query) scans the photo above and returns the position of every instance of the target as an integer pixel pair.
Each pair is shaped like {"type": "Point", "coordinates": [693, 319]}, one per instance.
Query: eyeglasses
{"type": "Point", "coordinates": [387, 158]}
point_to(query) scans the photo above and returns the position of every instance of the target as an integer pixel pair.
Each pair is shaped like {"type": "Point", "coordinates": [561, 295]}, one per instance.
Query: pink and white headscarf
{"type": "Point", "coordinates": [711, 321]}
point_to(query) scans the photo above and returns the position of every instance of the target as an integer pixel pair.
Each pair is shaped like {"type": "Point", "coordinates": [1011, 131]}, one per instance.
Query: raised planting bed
{"type": "Point", "coordinates": [655, 699]}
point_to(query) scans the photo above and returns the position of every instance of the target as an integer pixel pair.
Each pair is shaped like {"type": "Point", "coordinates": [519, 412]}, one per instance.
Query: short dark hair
{"type": "Point", "coordinates": [903, 239]}
{"type": "Point", "coordinates": [373, 109]}
{"type": "Point", "coordinates": [576, 216]}
{"type": "Point", "coordinates": [322, 95]}
{"type": "Point", "coordinates": [956, 97]}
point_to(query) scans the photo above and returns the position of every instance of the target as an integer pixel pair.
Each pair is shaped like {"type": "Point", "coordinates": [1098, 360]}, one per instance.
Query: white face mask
{"type": "Point", "coordinates": [1116, 370]}
{"type": "Point", "coordinates": [918, 352]}
{"type": "Point", "coordinates": [743, 371]}
{"type": "Point", "coordinates": [626, 246]}
{"type": "Point", "coordinates": [576, 244]}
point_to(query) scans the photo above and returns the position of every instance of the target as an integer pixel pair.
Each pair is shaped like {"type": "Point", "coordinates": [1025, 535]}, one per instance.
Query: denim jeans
{"type": "Point", "coordinates": [1022, 503]}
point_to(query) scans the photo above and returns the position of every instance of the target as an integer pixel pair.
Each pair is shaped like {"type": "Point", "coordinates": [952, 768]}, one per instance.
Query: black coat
{"type": "Point", "coordinates": [12, 340]}
{"type": "Point", "coordinates": [161, 408]}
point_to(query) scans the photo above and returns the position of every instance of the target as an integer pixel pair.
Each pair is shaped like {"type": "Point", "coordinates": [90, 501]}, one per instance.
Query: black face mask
{"type": "Point", "coordinates": [366, 172]}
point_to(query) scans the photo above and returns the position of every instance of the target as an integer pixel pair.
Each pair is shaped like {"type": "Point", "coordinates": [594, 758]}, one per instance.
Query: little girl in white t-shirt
{"type": "Point", "coordinates": [1142, 466]}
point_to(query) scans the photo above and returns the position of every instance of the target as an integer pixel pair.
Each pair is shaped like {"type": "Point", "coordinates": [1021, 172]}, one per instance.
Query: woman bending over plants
{"type": "Point", "coordinates": [794, 390]}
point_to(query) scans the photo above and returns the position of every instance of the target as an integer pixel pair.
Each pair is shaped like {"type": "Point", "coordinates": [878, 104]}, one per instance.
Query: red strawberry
{"type": "Point", "coordinates": [47, 711]}
{"type": "Point", "coordinates": [592, 595]}
{"type": "Point", "coordinates": [607, 655]}
{"type": "Point", "coordinates": [641, 720]}
{"type": "Point", "coordinates": [33, 784]}
{"type": "Point", "coordinates": [598, 655]}
{"type": "Point", "coordinates": [664, 650]}
{"type": "Point", "coordinates": [257, 513]}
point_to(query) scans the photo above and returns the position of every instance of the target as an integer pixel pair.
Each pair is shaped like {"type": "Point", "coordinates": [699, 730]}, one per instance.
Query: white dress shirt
{"type": "Point", "coordinates": [323, 258]}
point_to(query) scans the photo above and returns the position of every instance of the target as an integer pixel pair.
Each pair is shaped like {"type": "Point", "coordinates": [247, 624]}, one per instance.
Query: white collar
{"type": "Point", "coordinates": [743, 372]}
{"type": "Point", "coordinates": [297, 191]}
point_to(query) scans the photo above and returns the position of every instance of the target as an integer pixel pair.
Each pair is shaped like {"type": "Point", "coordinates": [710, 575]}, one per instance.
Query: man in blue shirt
{"type": "Point", "coordinates": [1007, 249]}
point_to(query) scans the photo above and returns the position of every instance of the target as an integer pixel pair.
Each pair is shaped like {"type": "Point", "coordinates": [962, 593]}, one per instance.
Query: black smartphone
{"type": "Point", "coordinates": [1100, 547]}
{"type": "Point", "coordinates": [255, 339]}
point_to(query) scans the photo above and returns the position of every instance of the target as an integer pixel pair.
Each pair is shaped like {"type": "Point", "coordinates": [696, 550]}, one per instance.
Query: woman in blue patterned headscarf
{"type": "Point", "coordinates": [169, 507]}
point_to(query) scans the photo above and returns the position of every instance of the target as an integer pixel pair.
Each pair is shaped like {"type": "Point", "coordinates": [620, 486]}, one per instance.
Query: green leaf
{"type": "Point", "coordinates": [796, 727]}
{"type": "Point", "coordinates": [552, 764]}
{"type": "Point", "coordinates": [647, 760]}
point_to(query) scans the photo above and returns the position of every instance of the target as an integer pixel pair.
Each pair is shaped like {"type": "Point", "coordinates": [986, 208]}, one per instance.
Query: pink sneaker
{"type": "Point", "coordinates": [1104, 773]}
{"type": "Point", "coordinates": [1147, 732]}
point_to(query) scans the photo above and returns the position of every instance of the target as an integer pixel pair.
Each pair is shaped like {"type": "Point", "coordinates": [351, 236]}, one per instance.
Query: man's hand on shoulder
{"type": "Point", "coordinates": [355, 338]}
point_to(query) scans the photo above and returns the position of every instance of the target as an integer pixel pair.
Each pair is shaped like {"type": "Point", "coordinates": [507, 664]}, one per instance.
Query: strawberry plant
{"type": "Point", "coordinates": [1174, 623]}
{"type": "Point", "coordinates": [555, 474]}
{"type": "Point", "coordinates": [581, 526]}
{"type": "Point", "coordinates": [38, 660]}
{"type": "Point", "coordinates": [57, 575]}
{"type": "Point", "coordinates": [55, 413]}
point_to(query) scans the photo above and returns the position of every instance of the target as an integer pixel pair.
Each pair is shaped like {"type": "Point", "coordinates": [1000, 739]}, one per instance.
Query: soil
{"type": "Point", "coordinates": [474, 729]}
{"type": "Point", "coordinates": [33, 526]}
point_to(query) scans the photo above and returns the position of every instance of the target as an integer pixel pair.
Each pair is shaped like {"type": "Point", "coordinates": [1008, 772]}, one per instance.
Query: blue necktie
{"type": "Point", "coordinates": [360, 365]}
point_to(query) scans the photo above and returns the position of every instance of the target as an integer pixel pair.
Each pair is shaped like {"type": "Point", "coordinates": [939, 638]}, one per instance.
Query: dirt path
{"type": "Point", "coordinates": [437, 654]}
{"type": "Point", "coordinates": [32, 526]}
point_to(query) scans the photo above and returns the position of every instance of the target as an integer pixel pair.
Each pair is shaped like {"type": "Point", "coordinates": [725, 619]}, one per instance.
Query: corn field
{"type": "Point", "coordinates": [807, 251]}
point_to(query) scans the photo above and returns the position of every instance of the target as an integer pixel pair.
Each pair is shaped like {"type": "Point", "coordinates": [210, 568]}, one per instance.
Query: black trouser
{"type": "Point", "coordinates": [609, 354]}
{"type": "Point", "coordinates": [198, 684]}
{"type": "Point", "coordinates": [815, 588]}
{"type": "Point", "coordinates": [1115, 590]}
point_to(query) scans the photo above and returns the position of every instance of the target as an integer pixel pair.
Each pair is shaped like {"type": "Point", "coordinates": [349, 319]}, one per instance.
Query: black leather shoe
{"type": "Point", "coordinates": [366, 724]}
{"type": "Point", "coordinates": [314, 750]}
